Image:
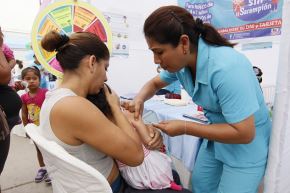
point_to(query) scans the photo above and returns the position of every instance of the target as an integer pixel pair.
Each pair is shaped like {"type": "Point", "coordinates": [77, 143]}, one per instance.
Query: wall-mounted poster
{"type": "Point", "coordinates": [238, 19]}
{"type": "Point", "coordinates": [67, 17]}
{"type": "Point", "coordinates": [120, 32]}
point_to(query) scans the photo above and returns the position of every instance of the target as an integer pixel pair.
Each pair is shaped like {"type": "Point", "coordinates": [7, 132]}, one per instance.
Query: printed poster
{"type": "Point", "coordinates": [120, 32]}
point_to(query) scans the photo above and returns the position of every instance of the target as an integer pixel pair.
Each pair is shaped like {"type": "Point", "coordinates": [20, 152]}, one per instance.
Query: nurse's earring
{"type": "Point", "coordinates": [184, 52]}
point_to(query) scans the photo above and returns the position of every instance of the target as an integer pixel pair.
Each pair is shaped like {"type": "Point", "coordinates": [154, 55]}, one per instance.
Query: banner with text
{"type": "Point", "coordinates": [239, 19]}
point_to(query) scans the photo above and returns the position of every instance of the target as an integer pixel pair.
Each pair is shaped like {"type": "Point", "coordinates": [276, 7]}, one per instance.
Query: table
{"type": "Point", "coordinates": [184, 147]}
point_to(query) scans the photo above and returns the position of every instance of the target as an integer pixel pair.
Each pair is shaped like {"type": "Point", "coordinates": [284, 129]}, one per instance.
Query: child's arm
{"type": "Point", "coordinates": [24, 114]}
{"type": "Point", "coordinates": [142, 131]}
{"type": "Point", "coordinates": [140, 127]}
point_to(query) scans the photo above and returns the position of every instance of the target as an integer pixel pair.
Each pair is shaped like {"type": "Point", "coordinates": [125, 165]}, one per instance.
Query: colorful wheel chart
{"type": "Point", "coordinates": [67, 17]}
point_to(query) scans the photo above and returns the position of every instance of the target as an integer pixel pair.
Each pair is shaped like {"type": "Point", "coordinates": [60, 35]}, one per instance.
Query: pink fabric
{"type": "Point", "coordinates": [154, 173]}
{"type": "Point", "coordinates": [8, 53]}
{"type": "Point", "coordinates": [34, 104]}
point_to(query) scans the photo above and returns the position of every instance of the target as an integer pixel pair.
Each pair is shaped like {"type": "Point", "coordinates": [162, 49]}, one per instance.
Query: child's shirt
{"type": "Point", "coordinates": [8, 53]}
{"type": "Point", "coordinates": [34, 104]}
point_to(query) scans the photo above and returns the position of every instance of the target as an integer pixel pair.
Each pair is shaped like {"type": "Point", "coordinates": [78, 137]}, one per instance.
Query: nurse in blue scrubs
{"type": "Point", "coordinates": [233, 154]}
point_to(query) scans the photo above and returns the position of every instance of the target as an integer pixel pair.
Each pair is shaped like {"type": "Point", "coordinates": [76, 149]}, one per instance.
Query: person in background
{"type": "Point", "coordinates": [10, 102]}
{"type": "Point", "coordinates": [233, 154]}
{"type": "Point", "coordinates": [43, 81]}
{"type": "Point", "coordinates": [174, 87]}
{"type": "Point", "coordinates": [17, 70]}
{"type": "Point", "coordinates": [8, 53]}
{"type": "Point", "coordinates": [258, 73]}
{"type": "Point", "coordinates": [31, 105]}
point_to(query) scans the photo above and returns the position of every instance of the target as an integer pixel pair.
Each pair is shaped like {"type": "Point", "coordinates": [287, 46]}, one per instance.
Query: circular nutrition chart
{"type": "Point", "coordinates": [67, 17]}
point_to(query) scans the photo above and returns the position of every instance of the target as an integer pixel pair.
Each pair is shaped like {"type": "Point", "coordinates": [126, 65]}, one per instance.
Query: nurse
{"type": "Point", "coordinates": [233, 154]}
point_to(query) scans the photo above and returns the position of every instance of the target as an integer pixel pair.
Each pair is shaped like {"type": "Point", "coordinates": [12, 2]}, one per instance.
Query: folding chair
{"type": "Point", "coordinates": [68, 173]}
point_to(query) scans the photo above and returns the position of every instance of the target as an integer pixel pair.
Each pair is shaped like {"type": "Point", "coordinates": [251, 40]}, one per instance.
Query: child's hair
{"type": "Point", "coordinates": [101, 102]}
{"type": "Point", "coordinates": [31, 69]}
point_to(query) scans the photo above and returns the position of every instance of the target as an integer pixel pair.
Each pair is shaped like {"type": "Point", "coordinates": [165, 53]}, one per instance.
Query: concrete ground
{"type": "Point", "coordinates": [20, 169]}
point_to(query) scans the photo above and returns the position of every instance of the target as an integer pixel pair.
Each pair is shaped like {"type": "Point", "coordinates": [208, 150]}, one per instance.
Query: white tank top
{"type": "Point", "coordinates": [84, 152]}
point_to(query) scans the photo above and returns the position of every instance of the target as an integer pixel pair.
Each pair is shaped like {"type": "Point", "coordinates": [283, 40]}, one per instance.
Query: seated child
{"type": "Point", "coordinates": [155, 172]}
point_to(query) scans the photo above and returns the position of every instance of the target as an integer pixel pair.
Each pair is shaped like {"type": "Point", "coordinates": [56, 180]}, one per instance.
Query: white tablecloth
{"type": "Point", "coordinates": [182, 147]}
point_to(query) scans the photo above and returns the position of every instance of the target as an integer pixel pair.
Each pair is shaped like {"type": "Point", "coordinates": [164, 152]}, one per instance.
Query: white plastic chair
{"type": "Point", "coordinates": [68, 173]}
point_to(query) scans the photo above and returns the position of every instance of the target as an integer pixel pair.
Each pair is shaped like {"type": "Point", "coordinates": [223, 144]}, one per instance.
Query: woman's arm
{"type": "Point", "coordinates": [143, 132]}
{"type": "Point", "coordinates": [12, 63]}
{"type": "Point", "coordinates": [150, 88]}
{"type": "Point", "coordinates": [139, 126]}
{"type": "Point", "coordinates": [118, 116]}
{"type": "Point", "coordinates": [238, 133]}
{"type": "Point", "coordinates": [147, 91]}
{"type": "Point", "coordinates": [87, 124]}
{"type": "Point", "coordinates": [24, 114]}
{"type": "Point", "coordinates": [5, 70]}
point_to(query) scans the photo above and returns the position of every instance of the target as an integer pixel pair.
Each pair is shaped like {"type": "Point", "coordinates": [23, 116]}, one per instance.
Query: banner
{"type": "Point", "coordinates": [239, 19]}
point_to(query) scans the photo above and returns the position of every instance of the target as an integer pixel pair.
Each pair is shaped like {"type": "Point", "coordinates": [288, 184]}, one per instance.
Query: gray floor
{"type": "Point", "coordinates": [20, 169]}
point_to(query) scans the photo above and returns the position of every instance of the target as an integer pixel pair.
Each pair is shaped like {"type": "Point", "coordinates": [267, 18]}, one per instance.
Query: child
{"type": "Point", "coordinates": [31, 105]}
{"type": "Point", "coordinates": [155, 172]}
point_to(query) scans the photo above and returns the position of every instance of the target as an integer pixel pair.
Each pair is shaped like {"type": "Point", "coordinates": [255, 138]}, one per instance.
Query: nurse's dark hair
{"type": "Point", "coordinates": [166, 25]}
{"type": "Point", "coordinates": [70, 50]}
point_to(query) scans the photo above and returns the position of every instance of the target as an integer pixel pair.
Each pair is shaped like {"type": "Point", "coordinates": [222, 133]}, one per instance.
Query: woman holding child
{"type": "Point", "coordinates": [77, 124]}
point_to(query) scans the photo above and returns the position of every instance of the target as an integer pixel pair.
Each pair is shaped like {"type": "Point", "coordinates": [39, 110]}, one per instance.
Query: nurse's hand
{"type": "Point", "coordinates": [156, 141]}
{"type": "Point", "coordinates": [172, 127]}
{"type": "Point", "coordinates": [134, 106]}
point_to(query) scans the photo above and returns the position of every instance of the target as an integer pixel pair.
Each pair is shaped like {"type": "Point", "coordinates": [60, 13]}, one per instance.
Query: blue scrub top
{"type": "Point", "coordinates": [228, 90]}
{"type": "Point", "coordinates": [174, 87]}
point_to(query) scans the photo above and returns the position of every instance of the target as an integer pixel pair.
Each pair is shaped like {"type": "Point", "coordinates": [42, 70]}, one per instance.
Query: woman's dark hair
{"type": "Point", "coordinates": [20, 63]}
{"type": "Point", "coordinates": [258, 73]}
{"type": "Point", "coordinates": [71, 50]}
{"type": "Point", "coordinates": [101, 102]}
{"type": "Point", "coordinates": [168, 23]}
{"type": "Point", "coordinates": [31, 69]}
